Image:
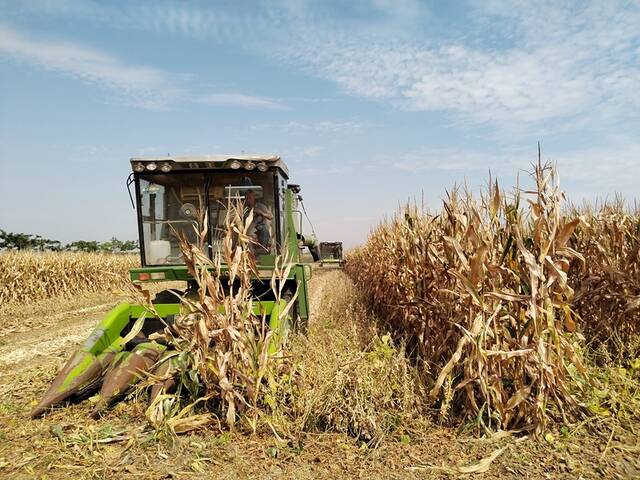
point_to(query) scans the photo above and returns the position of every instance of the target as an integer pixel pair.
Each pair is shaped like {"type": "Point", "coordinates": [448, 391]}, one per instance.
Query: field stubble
{"type": "Point", "coordinates": [360, 414]}
{"type": "Point", "coordinates": [485, 335]}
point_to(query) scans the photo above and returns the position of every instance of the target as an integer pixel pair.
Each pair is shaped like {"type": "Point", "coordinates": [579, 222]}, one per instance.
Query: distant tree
{"type": "Point", "coordinates": [15, 241]}
{"type": "Point", "coordinates": [83, 246]}
{"type": "Point", "coordinates": [25, 241]}
{"type": "Point", "coordinates": [107, 246]}
{"type": "Point", "coordinates": [129, 245]}
{"type": "Point", "coordinates": [54, 245]}
{"type": "Point", "coordinates": [45, 244]}
{"type": "Point", "coordinates": [115, 246]}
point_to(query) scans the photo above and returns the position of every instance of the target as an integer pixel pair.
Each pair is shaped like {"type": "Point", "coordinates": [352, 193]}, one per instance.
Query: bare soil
{"type": "Point", "coordinates": [68, 444]}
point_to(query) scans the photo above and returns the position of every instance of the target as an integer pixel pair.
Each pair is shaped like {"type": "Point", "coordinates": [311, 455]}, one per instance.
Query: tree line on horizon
{"type": "Point", "coordinates": [27, 241]}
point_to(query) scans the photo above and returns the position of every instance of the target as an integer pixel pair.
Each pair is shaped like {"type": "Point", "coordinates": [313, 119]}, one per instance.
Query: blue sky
{"type": "Point", "coordinates": [370, 102]}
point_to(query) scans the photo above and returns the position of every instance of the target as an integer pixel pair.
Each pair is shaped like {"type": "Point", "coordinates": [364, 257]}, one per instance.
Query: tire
{"type": "Point", "coordinates": [297, 324]}
{"type": "Point", "coordinates": [167, 296]}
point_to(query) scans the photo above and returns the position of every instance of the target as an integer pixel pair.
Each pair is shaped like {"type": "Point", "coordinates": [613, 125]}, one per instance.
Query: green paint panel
{"type": "Point", "coordinates": [165, 309]}
{"type": "Point", "coordinates": [108, 330]}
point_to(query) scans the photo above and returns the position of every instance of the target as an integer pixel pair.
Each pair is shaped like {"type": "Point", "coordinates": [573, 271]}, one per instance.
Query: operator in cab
{"type": "Point", "coordinates": [260, 229]}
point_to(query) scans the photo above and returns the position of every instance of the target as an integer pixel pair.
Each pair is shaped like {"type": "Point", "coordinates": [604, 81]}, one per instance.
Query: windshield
{"type": "Point", "coordinates": [256, 189]}
{"type": "Point", "coordinates": [169, 205]}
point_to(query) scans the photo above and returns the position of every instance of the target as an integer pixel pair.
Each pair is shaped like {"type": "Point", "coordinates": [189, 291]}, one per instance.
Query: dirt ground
{"type": "Point", "coordinates": [68, 444]}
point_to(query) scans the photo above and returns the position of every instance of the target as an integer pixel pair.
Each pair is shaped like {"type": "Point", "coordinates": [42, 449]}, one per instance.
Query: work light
{"type": "Point", "coordinates": [262, 167]}
{"type": "Point", "coordinates": [152, 166]}
{"type": "Point", "coordinates": [235, 164]}
{"type": "Point", "coordinates": [165, 167]}
{"type": "Point", "coordinates": [138, 167]}
{"type": "Point", "coordinates": [249, 165]}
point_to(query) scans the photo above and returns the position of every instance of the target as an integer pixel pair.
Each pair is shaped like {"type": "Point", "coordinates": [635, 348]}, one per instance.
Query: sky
{"type": "Point", "coordinates": [369, 102]}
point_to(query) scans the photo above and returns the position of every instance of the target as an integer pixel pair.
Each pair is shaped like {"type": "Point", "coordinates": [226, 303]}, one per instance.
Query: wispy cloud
{"type": "Point", "coordinates": [209, 21]}
{"type": "Point", "coordinates": [557, 62]}
{"type": "Point", "coordinates": [545, 65]}
{"type": "Point", "coordinates": [319, 171]}
{"type": "Point", "coordinates": [141, 86]}
{"type": "Point", "coordinates": [605, 168]}
{"type": "Point", "coordinates": [241, 100]}
{"type": "Point", "coordinates": [446, 159]}
{"type": "Point", "coordinates": [136, 85]}
{"type": "Point", "coordinates": [585, 172]}
{"type": "Point", "coordinates": [318, 127]}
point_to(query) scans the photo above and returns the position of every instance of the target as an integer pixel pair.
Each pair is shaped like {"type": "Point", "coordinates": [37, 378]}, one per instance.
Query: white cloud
{"type": "Point", "coordinates": [448, 159]}
{"type": "Point", "coordinates": [319, 171]}
{"type": "Point", "coordinates": [193, 21]}
{"type": "Point", "coordinates": [554, 63]}
{"type": "Point", "coordinates": [141, 86]}
{"type": "Point", "coordinates": [241, 100]}
{"type": "Point", "coordinates": [556, 66]}
{"type": "Point", "coordinates": [585, 173]}
{"type": "Point", "coordinates": [545, 65]}
{"type": "Point", "coordinates": [166, 17]}
{"type": "Point", "coordinates": [318, 127]}
{"type": "Point", "coordinates": [607, 168]}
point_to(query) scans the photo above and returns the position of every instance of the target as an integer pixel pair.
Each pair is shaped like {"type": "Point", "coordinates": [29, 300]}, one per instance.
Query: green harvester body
{"type": "Point", "coordinates": [165, 192]}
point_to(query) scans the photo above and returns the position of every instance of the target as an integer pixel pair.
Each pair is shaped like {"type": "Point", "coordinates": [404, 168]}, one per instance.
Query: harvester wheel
{"type": "Point", "coordinates": [302, 325]}
{"type": "Point", "coordinates": [297, 324]}
{"type": "Point", "coordinates": [167, 296]}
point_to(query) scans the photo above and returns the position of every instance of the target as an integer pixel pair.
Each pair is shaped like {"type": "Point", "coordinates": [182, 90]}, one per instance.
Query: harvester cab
{"type": "Point", "coordinates": [171, 194]}
{"type": "Point", "coordinates": [331, 254]}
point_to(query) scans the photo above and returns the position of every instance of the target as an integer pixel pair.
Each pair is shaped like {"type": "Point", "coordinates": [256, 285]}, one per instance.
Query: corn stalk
{"type": "Point", "coordinates": [480, 292]}
{"type": "Point", "coordinates": [228, 359]}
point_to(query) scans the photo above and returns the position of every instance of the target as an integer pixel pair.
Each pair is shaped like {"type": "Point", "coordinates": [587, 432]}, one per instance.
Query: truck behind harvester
{"type": "Point", "coordinates": [169, 193]}
{"type": "Point", "coordinates": [331, 254]}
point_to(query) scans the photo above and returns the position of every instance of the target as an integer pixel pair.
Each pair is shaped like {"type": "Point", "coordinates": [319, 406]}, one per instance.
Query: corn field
{"type": "Point", "coordinates": [491, 295]}
{"type": "Point", "coordinates": [27, 276]}
{"type": "Point", "coordinates": [607, 283]}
